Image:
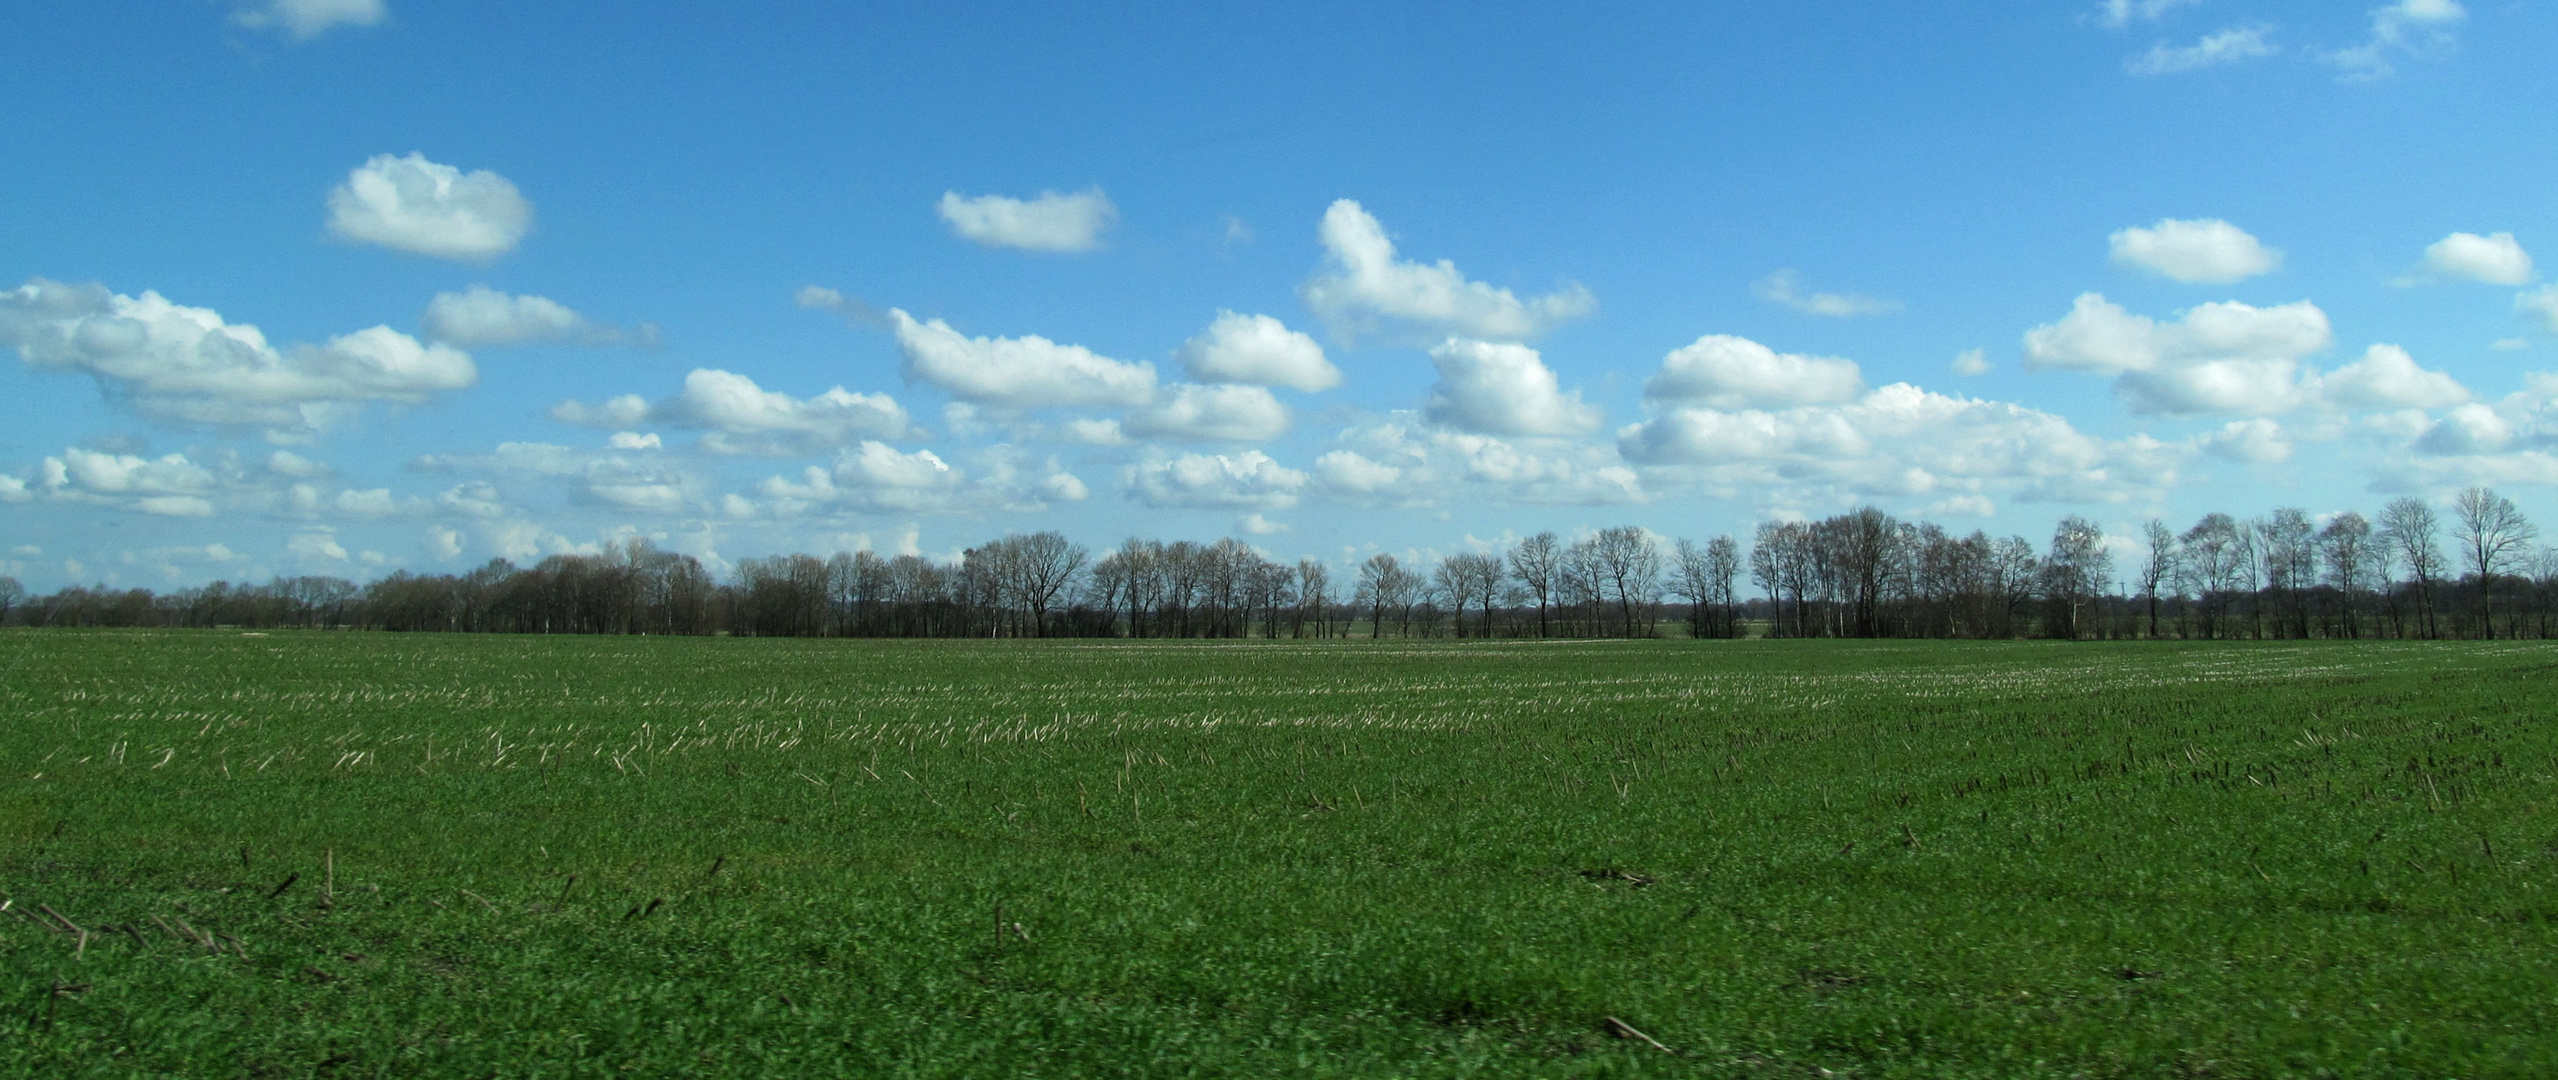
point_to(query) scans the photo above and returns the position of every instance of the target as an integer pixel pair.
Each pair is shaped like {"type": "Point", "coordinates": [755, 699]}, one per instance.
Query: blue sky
{"type": "Point", "coordinates": [532, 278]}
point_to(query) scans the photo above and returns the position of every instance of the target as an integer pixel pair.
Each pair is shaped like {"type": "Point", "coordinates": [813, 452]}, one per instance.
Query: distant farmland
{"type": "Point", "coordinates": [377, 854]}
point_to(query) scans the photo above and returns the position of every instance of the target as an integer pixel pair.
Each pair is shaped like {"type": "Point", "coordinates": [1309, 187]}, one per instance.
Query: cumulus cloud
{"type": "Point", "coordinates": [1258, 350]}
{"type": "Point", "coordinates": [303, 20]}
{"type": "Point", "coordinates": [172, 485]}
{"type": "Point", "coordinates": [2206, 250]}
{"type": "Point", "coordinates": [743, 418]}
{"type": "Point", "coordinates": [1971, 362]}
{"type": "Point", "coordinates": [2254, 442]}
{"type": "Point", "coordinates": [2541, 306]}
{"type": "Point", "coordinates": [872, 476]}
{"type": "Point", "coordinates": [2233, 45]}
{"type": "Point", "coordinates": [1246, 480]}
{"type": "Point", "coordinates": [418, 206]}
{"type": "Point", "coordinates": [1784, 287]}
{"type": "Point", "coordinates": [1729, 372]}
{"type": "Point", "coordinates": [2495, 259]}
{"type": "Point", "coordinates": [1364, 287]}
{"type": "Point", "coordinates": [1018, 373]}
{"type": "Point", "coordinates": [1052, 222]}
{"type": "Point", "coordinates": [1496, 388]}
{"type": "Point", "coordinates": [188, 364]}
{"type": "Point", "coordinates": [2405, 28]}
{"type": "Point", "coordinates": [1900, 441]}
{"type": "Point", "coordinates": [2117, 14]}
{"type": "Point", "coordinates": [481, 315]}
{"type": "Point", "coordinates": [2388, 378]}
{"type": "Point", "coordinates": [1211, 413]}
{"type": "Point", "coordinates": [2219, 357]}
{"type": "Point", "coordinates": [2468, 429]}
{"type": "Point", "coordinates": [1399, 460]}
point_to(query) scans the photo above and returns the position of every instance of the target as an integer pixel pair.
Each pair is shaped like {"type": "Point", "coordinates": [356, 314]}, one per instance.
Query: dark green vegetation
{"type": "Point", "coordinates": [458, 855]}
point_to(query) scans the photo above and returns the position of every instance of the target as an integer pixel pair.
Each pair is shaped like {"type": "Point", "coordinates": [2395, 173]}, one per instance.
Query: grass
{"type": "Point", "coordinates": [433, 855]}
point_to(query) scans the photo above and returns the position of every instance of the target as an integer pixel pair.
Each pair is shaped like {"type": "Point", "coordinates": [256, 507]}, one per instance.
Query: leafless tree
{"type": "Point", "coordinates": [1629, 565]}
{"type": "Point", "coordinates": [2494, 537]}
{"type": "Point", "coordinates": [2411, 532]}
{"type": "Point", "coordinates": [2077, 570]}
{"type": "Point", "coordinates": [2158, 569]}
{"type": "Point", "coordinates": [2345, 550]}
{"type": "Point", "coordinates": [1534, 563]}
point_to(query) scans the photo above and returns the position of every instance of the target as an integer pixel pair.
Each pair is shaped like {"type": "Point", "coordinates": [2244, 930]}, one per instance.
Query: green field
{"type": "Point", "coordinates": [473, 856]}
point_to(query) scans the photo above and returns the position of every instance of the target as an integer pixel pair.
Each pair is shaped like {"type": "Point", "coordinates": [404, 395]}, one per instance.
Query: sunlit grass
{"type": "Point", "coordinates": [227, 854]}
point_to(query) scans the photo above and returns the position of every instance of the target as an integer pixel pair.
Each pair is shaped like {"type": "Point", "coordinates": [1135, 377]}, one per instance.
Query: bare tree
{"type": "Point", "coordinates": [1722, 568]}
{"type": "Point", "coordinates": [1692, 580]}
{"type": "Point", "coordinates": [2212, 566]}
{"type": "Point", "coordinates": [2077, 570]}
{"type": "Point", "coordinates": [2493, 537]}
{"type": "Point", "coordinates": [2411, 531]}
{"type": "Point", "coordinates": [1629, 564]}
{"type": "Point", "coordinates": [2158, 570]}
{"type": "Point", "coordinates": [2345, 548]}
{"type": "Point", "coordinates": [2291, 561]}
{"type": "Point", "coordinates": [1383, 583]}
{"type": "Point", "coordinates": [10, 593]}
{"type": "Point", "coordinates": [1534, 563]}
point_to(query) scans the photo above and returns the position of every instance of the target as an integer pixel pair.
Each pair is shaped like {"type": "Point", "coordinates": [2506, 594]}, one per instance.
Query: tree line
{"type": "Point", "coordinates": [2411, 573]}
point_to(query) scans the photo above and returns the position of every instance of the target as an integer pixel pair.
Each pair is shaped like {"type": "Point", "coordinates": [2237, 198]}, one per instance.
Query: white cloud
{"type": "Point", "coordinates": [1094, 431]}
{"type": "Point", "coordinates": [1900, 441]}
{"type": "Point", "coordinates": [2219, 357]}
{"type": "Point", "coordinates": [1363, 285]}
{"type": "Point", "coordinates": [1729, 372]}
{"type": "Point", "coordinates": [1399, 460]}
{"type": "Point", "coordinates": [632, 440]}
{"type": "Point", "coordinates": [1259, 350]}
{"type": "Point", "coordinates": [1064, 487]}
{"type": "Point", "coordinates": [474, 498]}
{"type": "Point", "coordinates": [872, 476]}
{"type": "Point", "coordinates": [13, 489]}
{"type": "Point", "coordinates": [2116, 14]}
{"type": "Point", "coordinates": [2230, 46]}
{"type": "Point", "coordinates": [2407, 27]}
{"type": "Point", "coordinates": [1496, 388]}
{"type": "Point", "coordinates": [2206, 250]}
{"type": "Point", "coordinates": [172, 485]}
{"type": "Point", "coordinates": [2540, 304]}
{"type": "Point", "coordinates": [1254, 524]}
{"type": "Point", "coordinates": [1051, 222]}
{"type": "Point", "coordinates": [2468, 429]}
{"type": "Point", "coordinates": [1250, 479]}
{"type": "Point", "coordinates": [2511, 344]}
{"type": "Point", "coordinates": [2388, 378]}
{"type": "Point", "coordinates": [2255, 442]}
{"type": "Point", "coordinates": [319, 545]}
{"type": "Point", "coordinates": [1970, 362]}
{"type": "Point", "coordinates": [2495, 259]}
{"type": "Point", "coordinates": [186, 363]}
{"type": "Point", "coordinates": [307, 19]}
{"type": "Point", "coordinates": [1223, 413]}
{"type": "Point", "coordinates": [416, 205]}
{"type": "Point", "coordinates": [1782, 287]}
{"type": "Point", "coordinates": [1020, 373]}
{"type": "Point", "coordinates": [744, 418]}
{"type": "Point", "coordinates": [443, 543]}
{"type": "Point", "coordinates": [288, 463]}
{"type": "Point", "coordinates": [481, 315]}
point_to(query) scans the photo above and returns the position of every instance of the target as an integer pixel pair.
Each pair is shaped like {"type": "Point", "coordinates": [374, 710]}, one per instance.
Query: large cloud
{"type": "Point", "coordinates": [187, 363]}
{"type": "Point", "coordinates": [2207, 250]}
{"type": "Point", "coordinates": [1051, 222]}
{"type": "Point", "coordinates": [2219, 357]}
{"type": "Point", "coordinates": [1731, 372]}
{"type": "Point", "coordinates": [2387, 378]}
{"type": "Point", "coordinates": [1495, 388]}
{"type": "Point", "coordinates": [1211, 413]}
{"type": "Point", "coordinates": [171, 485]}
{"type": "Point", "coordinates": [1900, 440]}
{"type": "Point", "coordinates": [1364, 287]}
{"type": "Point", "coordinates": [2496, 259]}
{"type": "Point", "coordinates": [1248, 480]}
{"type": "Point", "coordinates": [744, 418]}
{"type": "Point", "coordinates": [307, 19]}
{"type": "Point", "coordinates": [1400, 460]}
{"type": "Point", "coordinates": [1259, 350]}
{"type": "Point", "coordinates": [416, 205]}
{"type": "Point", "coordinates": [1017, 373]}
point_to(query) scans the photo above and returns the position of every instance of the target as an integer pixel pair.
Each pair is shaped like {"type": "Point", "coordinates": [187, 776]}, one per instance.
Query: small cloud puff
{"type": "Point", "coordinates": [1364, 287]}
{"type": "Point", "coordinates": [419, 206]}
{"type": "Point", "coordinates": [2206, 250]}
{"type": "Point", "coordinates": [1052, 222]}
